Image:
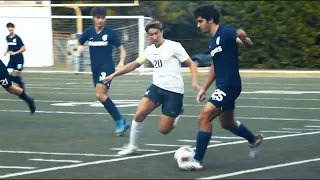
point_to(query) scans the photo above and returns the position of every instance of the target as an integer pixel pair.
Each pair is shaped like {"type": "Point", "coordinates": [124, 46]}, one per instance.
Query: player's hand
{"type": "Point", "coordinates": [12, 53]}
{"type": "Point", "coordinates": [108, 79]}
{"type": "Point", "coordinates": [201, 95]}
{"type": "Point", "coordinates": [196, 86]}
{"type": "Point", "coordinates": [241, 34]}
{"type": "Point", "coordinates": [120, 65]}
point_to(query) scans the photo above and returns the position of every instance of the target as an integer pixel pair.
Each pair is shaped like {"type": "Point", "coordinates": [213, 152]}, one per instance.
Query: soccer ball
{"type": "Point", "coordinates": [183, 154]}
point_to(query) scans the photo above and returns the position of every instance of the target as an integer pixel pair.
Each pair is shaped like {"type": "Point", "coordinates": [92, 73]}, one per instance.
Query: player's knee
{"type": "Point", "coordinates": [101, 97]}
{"type": "Point", "coordinates": [14, 90]}
{"type": "Point", "coordinates": [165, 130]}
{"type": "Point", "coordinates": [140, 116]}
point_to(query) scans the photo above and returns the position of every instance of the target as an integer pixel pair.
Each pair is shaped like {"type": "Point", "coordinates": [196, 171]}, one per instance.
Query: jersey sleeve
{"type": "Point", "coordinates": [232, 34]}
{"type": "Point", "coordinates": [116, 39]}
{"type": "Point", "coordinates": [180, 52]}
{"type": "Point", "coordinates": [84, 37]}
{"type": "Point", "coordinates": [143, 58]}
{"type": "Point", "coordinates": [20, 42]}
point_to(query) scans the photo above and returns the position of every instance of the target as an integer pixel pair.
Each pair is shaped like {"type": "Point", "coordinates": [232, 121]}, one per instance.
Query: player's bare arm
{"type": "Point", "coordinates": [194, 74]}
{"type": "Point", "coordinates": [21, 50]}
{"type": "Point", "coordinates": [124, 70]}
{"type": "Point", "coordinates": [243, 39]}
{"type": "Point", "coordinates": [210, 79]}
{"type": "Point", "coordinates": [123, 54]}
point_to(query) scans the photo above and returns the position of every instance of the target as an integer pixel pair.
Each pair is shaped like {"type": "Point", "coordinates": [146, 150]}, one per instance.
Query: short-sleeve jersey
{"type": "Point", "coordinates": [224, 52]}
{"type": "Point", "coordinates": [167, 60]}
{"type": "Point", "coordinates": [14, 44]}
{"type": "Point", "coordinates": [100, 48]}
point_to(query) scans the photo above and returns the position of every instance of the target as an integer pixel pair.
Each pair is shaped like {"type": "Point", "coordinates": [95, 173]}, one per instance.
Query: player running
{"type": "Point", "coordinates": [101, 40]}
{"type": "Point", "coordinates": [225, 70]}
{"type": "Point", "coordinates": [5, 81]}
{"type": "Point", "coordinates": [15, 49]}
{"type": "Point", "coordinates": [167, 88]}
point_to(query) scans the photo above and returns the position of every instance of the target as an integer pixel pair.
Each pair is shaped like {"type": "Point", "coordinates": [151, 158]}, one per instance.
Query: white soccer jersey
{"type": "Point", "coordinates": [167, 60]}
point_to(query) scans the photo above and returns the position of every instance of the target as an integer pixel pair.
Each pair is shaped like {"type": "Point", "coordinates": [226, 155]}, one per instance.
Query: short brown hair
{"type": "Point", "coordinates": [154, 24]}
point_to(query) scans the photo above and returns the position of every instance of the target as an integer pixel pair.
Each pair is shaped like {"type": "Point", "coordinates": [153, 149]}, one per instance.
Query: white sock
{"type": "Point", "coordinates": [176, 121]}
{"type": "Point", "coordinates": [135, 131]}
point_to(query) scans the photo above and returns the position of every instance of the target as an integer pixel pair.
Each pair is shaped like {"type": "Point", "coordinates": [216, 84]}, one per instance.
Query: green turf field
{"type": "Point", "coordinates": [72, 136]}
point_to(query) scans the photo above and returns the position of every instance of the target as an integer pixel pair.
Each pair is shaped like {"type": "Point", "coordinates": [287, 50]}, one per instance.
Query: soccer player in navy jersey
{"type": "Point", "coordinates": [5, 81]}
{"type": "Point", "coordinates": [101, 41]}
{"type": "Point", "coordinates": [225, 71]}
{"type": "Point", "coordinates": [15, 49]}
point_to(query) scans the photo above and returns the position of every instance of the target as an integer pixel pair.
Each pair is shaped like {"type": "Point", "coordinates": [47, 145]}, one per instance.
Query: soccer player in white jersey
{"type": "Point", "coordinates": [167, 88]}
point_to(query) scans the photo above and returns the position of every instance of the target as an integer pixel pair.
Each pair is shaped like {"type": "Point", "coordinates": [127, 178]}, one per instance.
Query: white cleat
{"type": "Point", "coordinates": [189, 164]}
{"type": "Point", "coordinates": [127, 150]}
{"type": "Point", "coordinates": [254, 148]}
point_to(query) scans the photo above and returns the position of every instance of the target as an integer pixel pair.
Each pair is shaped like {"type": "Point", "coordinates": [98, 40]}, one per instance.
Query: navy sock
{"type": "Point", "coordinates": [112, 109]}
{"type": "Point", "coordinates": [244, 132]}
{"type": "Point", "coordinates": [18, 80]}
{"type": "Point", "coordinates": [25, 97]}
{"type": "Point", "coordinates": [203, 140]}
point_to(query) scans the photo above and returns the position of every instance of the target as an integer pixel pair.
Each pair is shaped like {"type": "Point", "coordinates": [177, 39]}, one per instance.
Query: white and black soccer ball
{"type": "Point", "coordinates": [184, 154]}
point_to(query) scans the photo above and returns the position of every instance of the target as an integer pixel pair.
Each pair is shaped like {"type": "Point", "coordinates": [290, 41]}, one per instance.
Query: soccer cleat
{"type": "Point", "coordinates": [121, 126]}
{"type": "Point", "coordinates": [32, 106]}
{"type": "Point", "coordinates": [129, 149]}
{"type": "Point", "coordinates": [189, 164]}
{"type": "Point", "coordinates": [254, 148]}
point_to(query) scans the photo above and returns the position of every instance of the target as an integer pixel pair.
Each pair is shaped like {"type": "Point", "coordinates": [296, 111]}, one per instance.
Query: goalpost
{"type": "Point", "coordinates": [42, 32]}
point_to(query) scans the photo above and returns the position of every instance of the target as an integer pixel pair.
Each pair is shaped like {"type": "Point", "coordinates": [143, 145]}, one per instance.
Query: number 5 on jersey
{"type": "Point", "coordinates": [218, 95]}
{"type": "Point", "coordinates": [157, 63]}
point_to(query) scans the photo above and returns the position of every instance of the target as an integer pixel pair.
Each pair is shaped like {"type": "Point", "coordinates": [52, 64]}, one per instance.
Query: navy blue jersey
{"type": "Point", "coordinates": [100, 47]}
{"type": "Point", "coordinates": [14, 44]}
{"type": "Point", "coordinates": [224, 52]}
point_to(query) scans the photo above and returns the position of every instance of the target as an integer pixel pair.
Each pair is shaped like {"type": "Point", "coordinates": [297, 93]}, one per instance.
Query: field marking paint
{"type": "Point", "coordinates": [261, 169]}
{"type": "Point", "coordinates": [189, 140]}
{"type": "Point", "coordinates": [168, 145]}
{"type": "Point", "coordinates": [271, 131]}
{"type": "Point", "coordinates": [16, 167]}
{"type": "Point", "coordinates": [59, 154]}
{"type": "Point", "coordinates": [312, 126]}
{"type": "Point", "coordinates": [56, 160]}
{"type": "Point", "coordinates": [156, 115]}
{"type": "Point", "coordinates": [140, 150]}
{"type": "Point", "coordinates": [226, 137]}
{"type": "Point", "coordinates": [300, 129]}
{"type": "Point", "coordinates": [139, 156]}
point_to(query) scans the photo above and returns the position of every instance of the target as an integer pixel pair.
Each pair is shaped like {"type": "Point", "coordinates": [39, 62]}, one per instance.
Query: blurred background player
{"type": "Point", "coordinates": [5, 81]}
{"type": "Point", "coordinates": [73, 53]}
{"type": "Point", "coordinates": [225, 71]}
{"type": "Point", "coordinates": [167, 88]}
{"type": "Point", "coordinates": [15, 49]}
{"type": "Point", "coordinates": [101, 41]}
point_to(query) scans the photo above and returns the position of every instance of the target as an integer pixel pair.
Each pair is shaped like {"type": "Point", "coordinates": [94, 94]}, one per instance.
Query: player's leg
{"type": "Point", "coordinates": [209, 112]}
{"type": "Point", "coordinates": [102, 95]}
{"type": "Point", "coordinates": [172, 109]}
{"type": "Point", "coordinates": [5, 81]}
{"type": "Point", "coordinates": [17, 66]}
{"type": "Point", "coordinates": [228, 122]}
{"type": "Point", "coordinates": [75, 60]}
{"type": "Point", "coordinates": [149, 102]}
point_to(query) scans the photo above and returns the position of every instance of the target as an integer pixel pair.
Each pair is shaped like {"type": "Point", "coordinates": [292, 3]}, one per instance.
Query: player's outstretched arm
{"type": "Point", "coordinates": [194, 74]}
{"type": "Point", "coordinates": [125, 69]}
{"type": "Point", "coordinates": [244, 39]}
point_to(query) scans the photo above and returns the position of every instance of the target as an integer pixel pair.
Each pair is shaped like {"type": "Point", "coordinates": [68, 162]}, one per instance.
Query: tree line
{"type": "Point", "coordinates": [286, 34]}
